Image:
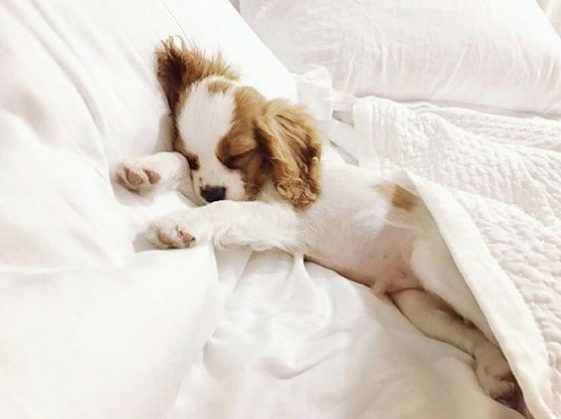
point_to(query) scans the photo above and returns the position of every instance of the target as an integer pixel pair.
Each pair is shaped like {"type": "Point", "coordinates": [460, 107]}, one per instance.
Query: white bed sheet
{"type": "Point", "coordinates": [298, 341]}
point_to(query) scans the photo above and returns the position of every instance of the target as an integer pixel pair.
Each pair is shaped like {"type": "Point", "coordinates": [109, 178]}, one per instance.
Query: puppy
{"type": "Point", "coordinates": [254, 166]}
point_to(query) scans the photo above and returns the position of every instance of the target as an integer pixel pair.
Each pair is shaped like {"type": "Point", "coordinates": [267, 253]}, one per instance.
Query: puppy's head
{"type": "Point", "coordinates": [234, 139]}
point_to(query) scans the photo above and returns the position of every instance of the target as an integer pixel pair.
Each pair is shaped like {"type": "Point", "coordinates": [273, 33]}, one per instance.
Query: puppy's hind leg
{"type": "Point", "coordinates": [437, 320]}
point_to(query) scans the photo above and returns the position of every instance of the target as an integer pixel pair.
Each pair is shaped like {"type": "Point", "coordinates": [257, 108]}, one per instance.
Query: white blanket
{"type": "Point", "coordinates": [493, 186]}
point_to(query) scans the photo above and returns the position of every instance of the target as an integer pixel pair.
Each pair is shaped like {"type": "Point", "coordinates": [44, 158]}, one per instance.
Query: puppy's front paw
{"type": "Point", "coordinates": [134, 176]}
{"type": "Point", "coordinates": [178, 231]}
{"type": "Point", "coordinates": [494, 374]}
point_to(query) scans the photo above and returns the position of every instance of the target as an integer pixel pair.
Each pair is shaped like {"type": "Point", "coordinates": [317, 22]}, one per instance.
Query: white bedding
{"type": "Point", "coordinates": [94, 326]}
{"type": "Point", "coordinates": [298, 341]}
{"type": "Point", "coordinates": [502, 54]}
{"type": "Point", "coordinates": [492, 184]}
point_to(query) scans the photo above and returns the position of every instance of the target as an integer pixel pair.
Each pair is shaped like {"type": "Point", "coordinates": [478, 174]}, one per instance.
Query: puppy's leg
{"type": "Point", "coordinates": [437, 320]}
{"type": "Point", "coordinates": [432, 263]}
{"type": "Point", "coordinates": [259, 225]}
{"type": "Point", "coordinates": [165, 170]}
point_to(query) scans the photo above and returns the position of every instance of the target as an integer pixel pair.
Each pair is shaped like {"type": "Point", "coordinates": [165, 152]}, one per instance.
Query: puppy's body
{"type": "Point", "coordinates": [358, 232]}
{"type": "Point", "coordinates": [259, 160]}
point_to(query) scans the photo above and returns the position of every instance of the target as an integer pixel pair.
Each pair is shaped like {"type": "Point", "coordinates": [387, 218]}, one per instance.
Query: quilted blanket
{"type": "Point", "coordinates": [493, 184]}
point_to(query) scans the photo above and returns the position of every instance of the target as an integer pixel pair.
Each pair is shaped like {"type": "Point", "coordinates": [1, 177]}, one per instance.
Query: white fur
{"type": "Point", "coordinates": [202, 130]}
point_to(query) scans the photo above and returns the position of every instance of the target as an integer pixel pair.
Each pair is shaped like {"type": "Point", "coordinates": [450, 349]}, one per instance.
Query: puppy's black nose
{"type": "Point", "coordinates": [214, 193]}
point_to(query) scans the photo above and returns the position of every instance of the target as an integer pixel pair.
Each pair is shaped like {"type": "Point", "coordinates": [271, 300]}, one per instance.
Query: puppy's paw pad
{"type": "Point", "coordinates": [153, 176]}
{"type": "Point", "coordinates": [166, 233]}
{"type": "Point", "coordinates": [177, 239]}
{"type": "Point", "coordinates": [135, 177]}
{"type": "Point", "coordinates": [494, 374]}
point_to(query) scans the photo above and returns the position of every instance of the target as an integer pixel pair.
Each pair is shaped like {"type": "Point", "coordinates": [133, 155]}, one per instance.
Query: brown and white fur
{"type": "Point", "coordinates": [254, 165]}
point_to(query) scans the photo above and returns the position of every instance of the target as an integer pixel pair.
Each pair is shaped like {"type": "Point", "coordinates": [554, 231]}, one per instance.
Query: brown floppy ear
{"type": "Point", "coordinates": [179, 65]}
{"type": "Point", "coordinates": [293, 146]}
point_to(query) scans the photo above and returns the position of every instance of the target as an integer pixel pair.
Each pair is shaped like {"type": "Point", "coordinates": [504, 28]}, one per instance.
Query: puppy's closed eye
{"type": "Point", "coordinates": [234, 151]}
{"type": "Point", "coordinates": [237, 161]}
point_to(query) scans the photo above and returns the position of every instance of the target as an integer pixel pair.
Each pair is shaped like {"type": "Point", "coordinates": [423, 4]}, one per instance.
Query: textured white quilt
{"type": "Point", "coordinates": [493, 185]}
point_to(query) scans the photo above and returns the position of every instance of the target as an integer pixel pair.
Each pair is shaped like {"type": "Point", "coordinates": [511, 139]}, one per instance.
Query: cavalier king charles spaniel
{"type": "Point", "coordinates": [254, 167]}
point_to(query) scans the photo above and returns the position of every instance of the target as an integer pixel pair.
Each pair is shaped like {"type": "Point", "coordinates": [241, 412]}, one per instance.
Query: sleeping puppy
{"type": "Point", "coordinates": [254, 166]}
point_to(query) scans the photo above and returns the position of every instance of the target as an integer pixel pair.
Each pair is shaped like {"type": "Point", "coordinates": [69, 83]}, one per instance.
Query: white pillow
{"type": "Point", "coordinates": [499, 53]}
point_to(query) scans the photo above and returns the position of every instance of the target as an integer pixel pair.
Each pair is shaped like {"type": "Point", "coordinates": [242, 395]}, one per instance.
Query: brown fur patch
{"type": "Point", "coordinates": [273, 139]}
{"type": "Point", "coordinates": [216, 87]}
{"type": "Point", "coordinates": [239, 150]}
{"type": "Point", "coordinates": [179, 66]}
{"type": "Point", "coordinates": [403, 199]}
{"type": "Point", "coordinates": [293, 146]}
{"type": "Point", "coordinates": [400, 197]}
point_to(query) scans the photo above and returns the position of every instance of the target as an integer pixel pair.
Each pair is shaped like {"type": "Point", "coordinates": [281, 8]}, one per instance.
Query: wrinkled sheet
{"type": "Point", "coordinates": [298, 341]}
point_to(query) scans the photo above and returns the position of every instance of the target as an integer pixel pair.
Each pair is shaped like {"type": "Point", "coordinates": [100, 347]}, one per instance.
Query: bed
{"type": "Point", "coordinates": [95, 323]}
